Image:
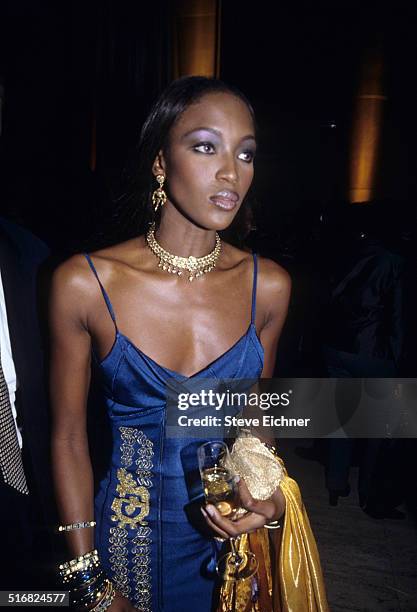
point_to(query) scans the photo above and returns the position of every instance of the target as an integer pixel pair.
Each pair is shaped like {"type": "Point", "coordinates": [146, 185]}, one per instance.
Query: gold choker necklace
{"type": "Point", "coordinates": [195, 266]}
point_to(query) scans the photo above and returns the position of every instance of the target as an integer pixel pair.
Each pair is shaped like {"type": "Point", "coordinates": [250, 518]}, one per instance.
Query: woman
{"type": "Point", "coordinates": [144, 325]}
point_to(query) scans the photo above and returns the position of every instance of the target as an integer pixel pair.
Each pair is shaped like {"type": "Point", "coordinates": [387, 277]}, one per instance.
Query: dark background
{"type": "Point", "coordinates": [71, 68]}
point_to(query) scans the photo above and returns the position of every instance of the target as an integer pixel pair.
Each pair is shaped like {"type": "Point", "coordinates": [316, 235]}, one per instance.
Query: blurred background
{"type": "Point", "coordinates": [333, 85]}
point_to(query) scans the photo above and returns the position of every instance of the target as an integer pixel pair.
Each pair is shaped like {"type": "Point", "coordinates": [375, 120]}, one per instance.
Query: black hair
{"type": "Point", "coordinates": [134, 211]}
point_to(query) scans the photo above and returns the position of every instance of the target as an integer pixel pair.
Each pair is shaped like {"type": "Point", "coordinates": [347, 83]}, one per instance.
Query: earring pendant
{"type": "Point", "coordinates": [159, 197]}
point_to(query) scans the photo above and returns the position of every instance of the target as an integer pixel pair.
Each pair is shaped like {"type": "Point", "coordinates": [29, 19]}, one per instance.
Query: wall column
{"type": "Point", "coordinates": [366, 130]}
{"type": "Point", "coordinates": [196, 39]}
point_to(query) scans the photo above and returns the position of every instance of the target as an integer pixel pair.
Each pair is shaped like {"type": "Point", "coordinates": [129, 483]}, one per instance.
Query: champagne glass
{"type": "Point", "coordinates": [221, 490]}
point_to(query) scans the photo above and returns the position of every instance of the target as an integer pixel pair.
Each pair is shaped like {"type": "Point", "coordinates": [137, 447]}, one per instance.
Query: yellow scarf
{"type": "Point", "coordinates": [293, 582]}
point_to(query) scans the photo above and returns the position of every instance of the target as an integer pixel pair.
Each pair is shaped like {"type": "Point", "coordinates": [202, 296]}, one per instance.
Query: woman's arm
{"type": "Point", "coordinates": [273, 294]}
{"type": "Point", "coordinates": [69, 383]}
{"type": "Point", "coordinates": [72, 298]}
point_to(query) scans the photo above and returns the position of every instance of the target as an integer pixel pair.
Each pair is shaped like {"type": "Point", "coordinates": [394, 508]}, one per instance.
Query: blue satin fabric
{"type": "Point", "coordinates": [165, 562]}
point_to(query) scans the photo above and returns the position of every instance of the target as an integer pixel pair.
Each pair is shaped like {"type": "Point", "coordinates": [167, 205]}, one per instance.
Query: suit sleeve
{"type": "Point", "coordinates": [397, 327]}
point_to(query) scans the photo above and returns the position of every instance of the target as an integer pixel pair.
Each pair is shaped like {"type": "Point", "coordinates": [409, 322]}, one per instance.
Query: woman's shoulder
{"type": "Point", "coordinates": [274, 289]}
{"type": "Point", "coordinates": [121, 253]}
{"type": "Point", "coordinates": [103, 260]}
{"type": "Point", "coordinates": [272, 277]}
{"type": "Point", "coordinates": [76, 275]}
{"type": "Point", "coordinates": [72, 283]}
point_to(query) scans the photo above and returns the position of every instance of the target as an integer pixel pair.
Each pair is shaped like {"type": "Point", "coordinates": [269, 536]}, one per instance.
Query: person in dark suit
{"type": "Point", "coordinates": [26, 506]}
{"type": "Point", "coordinates": [363, 337]}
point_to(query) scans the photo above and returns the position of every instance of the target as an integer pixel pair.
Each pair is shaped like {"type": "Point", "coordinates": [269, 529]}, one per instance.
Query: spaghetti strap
{"type": "Point", "coordinates": [255, 277]}
{"type": "Point", "coordinates": [103, 291]}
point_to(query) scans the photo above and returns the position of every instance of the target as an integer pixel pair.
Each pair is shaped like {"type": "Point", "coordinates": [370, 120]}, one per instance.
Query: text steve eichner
{"type": "Point", "coordinates": [234, 421]}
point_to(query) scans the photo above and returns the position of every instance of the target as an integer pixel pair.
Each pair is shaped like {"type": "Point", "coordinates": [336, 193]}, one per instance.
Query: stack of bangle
{"type": "Point", "coordinates": [87, 563]}
{"type": "Point", "coordinates": [89, 586]}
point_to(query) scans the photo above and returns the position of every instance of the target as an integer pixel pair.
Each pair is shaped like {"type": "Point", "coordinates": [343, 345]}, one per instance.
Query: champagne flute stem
{"type": "Point", "coordinates": [237, 558]}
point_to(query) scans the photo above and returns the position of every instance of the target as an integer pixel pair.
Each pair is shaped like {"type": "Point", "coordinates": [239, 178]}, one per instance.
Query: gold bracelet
{"type": "Point", "coordinates": [80, 525]}
{"type": "Point", "coordinates": [92, 598]}
{"type": "Point", "coordinates": [273, 525]}
{"type": "Point", "coordinates": [88, 582]}
{"type": "Point", "coordinates": [86, 561]}
{"type": "Point", "coordinates": [107, 599]}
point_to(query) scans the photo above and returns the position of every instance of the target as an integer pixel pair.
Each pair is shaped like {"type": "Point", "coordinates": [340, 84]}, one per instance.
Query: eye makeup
{"type": "Point", "coordinates": [206, 140]}
{"type": "Point", "coordinates": [204, 147]}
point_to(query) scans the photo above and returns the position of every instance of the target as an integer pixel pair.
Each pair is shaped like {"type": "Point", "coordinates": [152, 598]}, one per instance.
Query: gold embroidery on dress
{"type": "Point", "coordinates": [118, 560]}
{"type": "Point", "coordinates": [132, 498]}
{"type": "Point", "coordinates": [131, 507]}
{"type": "Point", "coordinates": [141, 563]}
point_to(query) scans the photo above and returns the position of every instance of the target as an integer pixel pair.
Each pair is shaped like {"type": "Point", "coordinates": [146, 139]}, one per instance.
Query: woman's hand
{"type": "Point", "coordinates": [259, 513]}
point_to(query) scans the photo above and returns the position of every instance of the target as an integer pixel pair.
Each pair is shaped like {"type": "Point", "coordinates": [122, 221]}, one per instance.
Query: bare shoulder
{"type": "Point", "coordinates": [130, 252]}
{"type": "Point", "coordinates": [273, 288]}
{"type": "Point", "coordinates": [75, 273]}
{"type": "Point", "coordinates": [272, 278]}
{"type": "Point", "coordinates": [74, 281]}
{"type": "Point", "coordinates": [73, 286]}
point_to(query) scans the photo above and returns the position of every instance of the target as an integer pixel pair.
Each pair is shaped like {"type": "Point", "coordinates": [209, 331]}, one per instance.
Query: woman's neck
{"type": "Point", "coordinates": [181, 237]}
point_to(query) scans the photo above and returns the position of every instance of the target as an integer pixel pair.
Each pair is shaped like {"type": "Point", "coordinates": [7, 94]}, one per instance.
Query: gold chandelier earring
{"type": "Point", "coordinates": [159, 197]}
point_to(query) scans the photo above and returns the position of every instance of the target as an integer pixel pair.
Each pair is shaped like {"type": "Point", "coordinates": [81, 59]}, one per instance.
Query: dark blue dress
{"type": "Point", "coordinates": [148, 544]}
